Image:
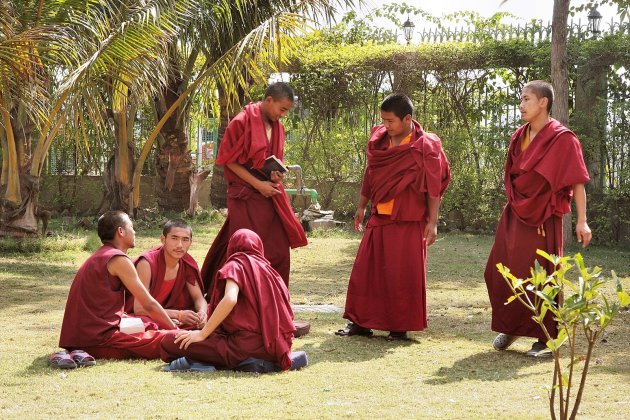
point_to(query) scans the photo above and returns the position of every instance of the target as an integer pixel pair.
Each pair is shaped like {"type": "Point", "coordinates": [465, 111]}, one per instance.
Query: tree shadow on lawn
{"type": "Point", "coordinates": [49, 283]}
{"type": "Point", "coordinates": [490, 365]}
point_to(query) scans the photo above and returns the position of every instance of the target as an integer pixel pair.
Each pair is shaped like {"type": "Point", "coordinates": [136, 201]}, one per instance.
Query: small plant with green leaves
{"type": "Point", "coordinates": [573, 295]}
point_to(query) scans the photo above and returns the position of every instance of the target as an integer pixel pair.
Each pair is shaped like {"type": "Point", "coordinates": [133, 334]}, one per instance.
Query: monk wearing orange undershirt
{"type": "Point", "coordinates": [405, 179]}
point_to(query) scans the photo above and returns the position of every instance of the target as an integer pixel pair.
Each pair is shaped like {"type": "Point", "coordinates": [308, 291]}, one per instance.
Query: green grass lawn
{"type": "Point", "coordinates": [447, 371]}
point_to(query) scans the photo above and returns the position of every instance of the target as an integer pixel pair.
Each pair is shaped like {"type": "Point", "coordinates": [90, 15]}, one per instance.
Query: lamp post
{"type": "Point", "coordinates": [594, 20]}
{"type": "Point", "coordinates": [408, 28]}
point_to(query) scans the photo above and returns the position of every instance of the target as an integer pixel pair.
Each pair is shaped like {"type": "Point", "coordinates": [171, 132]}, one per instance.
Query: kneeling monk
{"type": "Point", "coordinates": [172, 277]}
{"type": "Point", "coordinates": [251, 314]}
{"type": "Point", "coordinates": [96, 300]}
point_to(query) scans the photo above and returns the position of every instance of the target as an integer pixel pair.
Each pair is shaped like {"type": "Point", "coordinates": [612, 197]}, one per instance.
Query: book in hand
{"type": "Point", "coordinates": [272, 163]}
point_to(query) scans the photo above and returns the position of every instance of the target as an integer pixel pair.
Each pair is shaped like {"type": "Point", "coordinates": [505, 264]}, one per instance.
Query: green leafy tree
{"type": "Point", "coordinates": [573, 295]}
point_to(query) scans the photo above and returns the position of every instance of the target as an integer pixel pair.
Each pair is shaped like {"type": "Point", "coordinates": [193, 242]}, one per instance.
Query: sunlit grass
{"type": "Point", "coordinates": [447, 371]}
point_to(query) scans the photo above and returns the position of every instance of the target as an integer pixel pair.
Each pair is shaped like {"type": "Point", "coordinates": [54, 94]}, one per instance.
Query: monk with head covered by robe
{"type": "Point", "coordinates": [97, 297]}
{"type": "Point", "coordinates": [406, 176]}
{"type": "Point", "coordinates": [544, 169]}
{"type": "Point", "coordinates": [172, 277]}
{"type": "Point", "coordinates": [251, 315]}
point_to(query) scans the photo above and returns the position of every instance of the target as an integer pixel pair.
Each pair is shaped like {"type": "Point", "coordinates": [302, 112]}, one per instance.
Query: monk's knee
{"type": "Point", "coordinates": [168, 347]}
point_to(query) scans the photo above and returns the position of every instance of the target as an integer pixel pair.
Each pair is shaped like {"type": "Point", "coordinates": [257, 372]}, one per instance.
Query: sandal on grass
{"type": "Point", "coordinates": [82, 358]}
{"type": "Point", "coordinates": [354, 329]}
{"type": "Point", "coordinates": [61, 360]}
{"type": "Point", "coordinates": [184, 364]}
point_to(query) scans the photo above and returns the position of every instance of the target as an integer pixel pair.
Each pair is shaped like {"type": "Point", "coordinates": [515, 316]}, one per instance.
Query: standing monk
{"type": "Point", "coordinates": [406, 176]}
{"type": "Point", "coordinates": [172, 277]}
{"type": "Point", "coordinates": [96, 300]}
{"type": "Point", "coordinates": [254, 201]}
{"type": "Point", "coordinates": [251, 314]}
{"type": "Point", "coordinates": [543, 170]}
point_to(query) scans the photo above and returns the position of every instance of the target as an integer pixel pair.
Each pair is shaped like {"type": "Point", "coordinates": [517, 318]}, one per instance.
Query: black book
{"type": "Point", "coordinates": [272, 163]}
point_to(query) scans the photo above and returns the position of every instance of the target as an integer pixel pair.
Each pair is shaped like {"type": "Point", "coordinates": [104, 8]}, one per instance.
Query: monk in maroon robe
{"type": "Point", "coordinates": [405, 179]}
{"type": "Point", "coordinates": [96, 300]}
{"type": "Point", "coordinates": [254, 201]}
{"type": "Point", "coordinates": [544, 169]}
{"type": "Point", "coordinates": [172, 277]}
{"type": "Point", "coordinates": [250, 313]}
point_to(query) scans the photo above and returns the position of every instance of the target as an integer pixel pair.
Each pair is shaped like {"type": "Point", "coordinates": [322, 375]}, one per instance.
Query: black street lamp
{"type": "Point", "coordinates": [408, 28]}
{"type": "Point", "coordinates": [594, 20]}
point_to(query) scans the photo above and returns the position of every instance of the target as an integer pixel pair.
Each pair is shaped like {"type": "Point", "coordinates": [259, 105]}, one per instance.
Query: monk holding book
{"type": "Point", "coordinates": [544, 169]}
{"type": "Point", "coordinates": [95, 306]}
{"type": "Point", "coordinates": [257, 201]}
{"type": "Point", "coordinates": [172, 277]}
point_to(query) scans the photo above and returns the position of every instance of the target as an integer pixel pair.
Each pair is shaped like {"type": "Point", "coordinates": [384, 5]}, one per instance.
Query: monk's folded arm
{"type": "Point", "coordinates": [244, 174]}
{"type": "Point", "coordinates": [123, 268]}
{"type": "Point", "coordinates": [223, 308]}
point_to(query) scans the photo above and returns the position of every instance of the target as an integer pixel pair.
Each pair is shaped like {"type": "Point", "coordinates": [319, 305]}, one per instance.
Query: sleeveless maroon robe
{"type": "Point", "coordinates": [538, 186]}
{"type": "Point", "coordinates": [93, 311]}
{"type": "Point", "coordinates": [387, 288]}
{"type": "Point", "coordinates": [260, 324]}
{"type": "Point", "coordinates": [245, 142]}
{"type": "Point", "coordinates": [188, 272]}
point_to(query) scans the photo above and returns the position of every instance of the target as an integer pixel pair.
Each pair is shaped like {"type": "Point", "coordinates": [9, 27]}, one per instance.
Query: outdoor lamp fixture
{"type": "Point", "coordinates": [594, 20]}
{"type": "Point", "coordinates": [408, 27]}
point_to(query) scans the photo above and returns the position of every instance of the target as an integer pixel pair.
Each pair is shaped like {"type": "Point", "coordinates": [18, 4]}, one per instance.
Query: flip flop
{"type": "Point", "coordinates": [82, 358]}
{"type": "Point", "coordinates": [61, 360]}
{"type": "Point", "coordinates": [183, 364]}
{"type": "Point", "coordinates": [298, 360]}
{"type": "Point", "coordinates": [354, 329]}
{"type": "Point", "coordinates": [254, 365]}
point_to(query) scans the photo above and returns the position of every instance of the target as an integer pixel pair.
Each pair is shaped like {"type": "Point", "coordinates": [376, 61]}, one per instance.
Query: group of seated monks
{"type": "Point", "coordinates": [246, 323]}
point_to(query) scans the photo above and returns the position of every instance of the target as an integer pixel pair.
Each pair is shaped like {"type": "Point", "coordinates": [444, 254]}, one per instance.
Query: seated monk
{"type": "Point", "coordinates": [172, 277]}
{"type": "Point", "coordinates": [96, 300]}
{"type": "Point", "coordinates": [251, 316]}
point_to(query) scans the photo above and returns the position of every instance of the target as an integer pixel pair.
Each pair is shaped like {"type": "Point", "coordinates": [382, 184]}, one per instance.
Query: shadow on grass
{"type": "Point", "coordinates": [489, 365]}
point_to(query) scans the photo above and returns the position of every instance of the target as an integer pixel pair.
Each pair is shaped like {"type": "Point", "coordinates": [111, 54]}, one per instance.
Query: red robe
{"type": "Point", "coordinates": [188, 272]}
{"type": "Point", "coordinates": [538, 186]}
{"type": "Point", "coordinates": [245, 142]}
{"type": "Point", "coordinates": [387, 288]}
{"type": "Point", "coordinates": [93, 311]}
{"type": "Point", "coordinates": [260, 324]}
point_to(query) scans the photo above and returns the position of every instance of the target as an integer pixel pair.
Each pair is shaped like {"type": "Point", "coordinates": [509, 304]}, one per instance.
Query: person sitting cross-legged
{"type": "Point", "coordinates": [251, 315]}
{"type": "Point", "coordinates": [172, 277]}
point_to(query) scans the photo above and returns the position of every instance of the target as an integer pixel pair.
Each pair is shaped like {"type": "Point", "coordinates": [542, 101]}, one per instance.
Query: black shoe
{"type": "Point", "coordinates": [354, 329]}
{"type": "Point", "coordinates": [398, 336]}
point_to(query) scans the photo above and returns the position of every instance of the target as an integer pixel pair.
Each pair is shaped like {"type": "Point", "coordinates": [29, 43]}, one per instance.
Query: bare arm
{"type": "Point", "coordinates": [124, 269]}
{"type": "Point", "coordinates": [359, 215]}
{"type": "Point", "coordinates": [266, 188]}
{"type": "Point", "coordinates": [582, 230]}
{"type": "Point", "coordinates": [201, 306]}
{"type": "Point", "coordinates": [430, 231]}
{"type": "Point", "coordinates": [223, 309]}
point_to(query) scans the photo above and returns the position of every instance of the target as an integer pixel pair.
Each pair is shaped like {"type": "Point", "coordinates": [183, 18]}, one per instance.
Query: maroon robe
{"type": "Point", "coordinates": [387, 288]}
{"type": "Point", "coordinates": [245, 142]}
{"type": "Point", "coordinates": [261, 323]}
{"type": "Point", "coordinates": [93, 311]}
{"type": "Point", "coordinates": [538, 186]}
{"type": "Point", "coordinates": [188, 272]}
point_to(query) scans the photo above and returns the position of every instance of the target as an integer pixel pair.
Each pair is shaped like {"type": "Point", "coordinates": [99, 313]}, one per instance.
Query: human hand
{"type": "Point", "coordinates": [359, 215]}
{"type": "Point", "coordinates": [186, 338]}
{"type": "Point", "coordinates": [187, 317]}
{"type": "Point", "coordinates": [267, 189]}
{"type": "Point", "coordinates": [583, 233]}
{"type": "Point", "coordinates": [203, 318]}
{"type": "Point", "coordinates": [276, 177]}
{"type": "Point", "coordinates": [430, 233]}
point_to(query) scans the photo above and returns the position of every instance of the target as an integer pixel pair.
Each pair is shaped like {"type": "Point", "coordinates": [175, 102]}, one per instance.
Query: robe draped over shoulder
{"type": "Point", "coordinates": [245, 142]}
{"type": "Point", "coordinates": [538, 187]}
{"type": "Point", "coordinates": [387, 288]}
